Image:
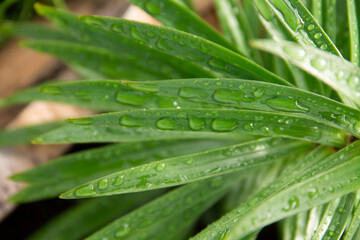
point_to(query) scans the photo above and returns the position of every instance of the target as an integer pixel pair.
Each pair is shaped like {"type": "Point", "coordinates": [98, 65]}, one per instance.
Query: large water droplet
{"type": "Point", "coordinates": [196, 124]}
{"type": "Point", "coordinates": [311, 27]}
{"type": "Point", "coordinates": [259, 92]}
{"type": "Point", "coordinates": [131, 98]}
{"type": "Point", "coordinates": [166, 124]}
{"type": "Point", "coordinates": [136, 35]}
{"type": "Point", "coordinates": [298, 54]}
{"type": "Point", "coordinates": [286, 104]}
{"type": "Point", "coordinates": [319, 63]}
{"type": "Point", "coordinates": [85, 191]}
{"type": "Point", "coordinates": [354, 81]}
{"type": "Point", "coordinates": [103, 184]}
{"type": "Point", "coordinates": [129, 121]}
{"type": "Point", "coordinates": [118, 181]}
{"type": "Point", "coordinates": [160, 167]}
{"type": "Point", "coordinates": [292, 204]}
{"type": "Point", "coordinates": [357, 127]}
{"type": "Point", "coordinates": [163, 45]}
{"type": "Point", "coordinates": [191, 92]}
{"type": "Point", "coordinates": [51, 90]}
{"type": "Point", "coordinates": [224, 125]}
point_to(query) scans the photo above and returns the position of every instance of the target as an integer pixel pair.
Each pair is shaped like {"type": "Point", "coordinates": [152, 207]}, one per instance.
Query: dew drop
{"type": "Point", "coordinates": [131, 98]}
{"type": "Point", "coordinates": [123, 231]}
{"type": "Point", "coordinates": [298, 54]}
{"type": "Point", "coordinates": [324, 46]}
{"type": "Point", "coordinates": [191, 92]}
{"type": "Point", "coordinates": [85, 191]}
{"type": "Point", "coordinates": [196, 124]}
{"type": "Point", "coordinates": [319, 63]}
{"type": "Point", "coordinates": [118, 181]}
{"type": "Point", "coordinates": [318, 35]}
{"type": "Point", "coordinates": [231, 96]}
{"type": "Point", "coordinates": [129, 121]}
{"type": "Point", "coordinates": [311, 27]}
{"type": "Point", "coordinates": [223, 125]}
{"type": "Point", "coordinates": [51, 90]}
{"type": "Point", "coordinates": [259, 93]}
{"type": "Point", "coordinates": [166, 124]}
{"type": "Point", "coordinates": [292, 204]}
{"type": "Point", "coordinates": [103, 184]}
{"type": "Point", "coordinates": [286, 104]}
{"type": "Point", "coordinates": [136, 35]}
{"type": "Point", "coordinates": [249, 127]}
{"type": "Point", "coordinates": [160, 167]}
{"type": "Point", "coordinates": [357, 127]}
{"type": "Point", "coordinates": [354, 81]}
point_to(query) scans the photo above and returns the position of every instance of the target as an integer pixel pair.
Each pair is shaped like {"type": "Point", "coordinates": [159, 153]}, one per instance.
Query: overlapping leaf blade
{"type": "Point", "coordinates": [75, 169]}
{"type": "Point", "coordinates": [174, 15]}
{"type": "Point", "coordinates": [188, 47]}
{"type": "Point", "coordinates": [181, 170]}
{"type": "Point", "coordinates": [88, 216]}
{"type": "Point", "coordinates": [195, 93]}
{"type": "Point", "coordinates": [170, 214]}
{"type": "Point", "coordinates": [324, 180]}
{"type": "Point", "coordinates": [340, 74]}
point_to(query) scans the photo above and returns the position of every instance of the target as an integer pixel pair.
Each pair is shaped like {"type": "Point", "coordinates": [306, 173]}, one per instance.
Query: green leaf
{"type": "Point", "coordinates": [137, 53]}
{"type": "Point", "coordinates": [36, 31]}
{"type": "Point", "coordinates": [188, 47]}
{"type": "Point", "coordinates": [353, 15]}
{"type": "Point", "coordinates": [298, 190]}
{"type": "Point", "coordinates": [171, 213]}
{"type": "Point", "coordinates": [107, 65]}
{"type": "Point", "coordinates": [330, 18]}
{"type": "Point", "coordinates": [88, 216]}
{"type": "Point", "coordinates": [25, 134]}
{"type": "Point", "coordinates": [213, 121]}
{"type": "Point", "coordinates": [102, 95]}
{"type": "Point", "coordinates": [300, 23]}
{"type": "Point", "coordinates": [228, 13]}
{"type": "Point", "coordinates": [335, 218]}
{"type": "Point", "coordinates": [352, 231]}
{"type": "Point", "coordinates": [194, 93]}
{"type": "Point", "coordinates": [177, 16]}
{"type": "Point", "coordinates": [193, 167]}
{"type": "Point", "coordinates": [340, 74]}
{"type": "Point", "coordinates": [67, 172]}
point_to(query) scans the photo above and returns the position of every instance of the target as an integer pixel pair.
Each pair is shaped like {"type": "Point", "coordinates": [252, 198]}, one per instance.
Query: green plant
{"type": "Point", "coordinates": [266, 138]}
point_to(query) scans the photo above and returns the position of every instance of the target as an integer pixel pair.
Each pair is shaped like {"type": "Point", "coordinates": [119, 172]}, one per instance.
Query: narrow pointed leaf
{"type": "Point", "coordinates": [141, 55]}
{"type": "Point", "coordinates": [187, 47]}
{"type": "Point", "coordinates": [300, 23]}
{"type": "Point", "coordinates": [25, 134]}
{"type": "Point", "coordinates": [51, 179]}
{"type": "Point", "coordinates": [175, 15]}
{"type": "Point", "coordinates": [194, 93]}
{"type": "Point", "coordinates": [227, 12]}
{"type": "Point", "coordinates": [323, 181]}
{"type": "Point", "coordinates": [171, 213]}
{"type": "Point", "coordinates": [88, 216]}
{"type": "Point", "coordinates": [107, 65]}
{"type": "Point", "coordinates": [335, 218]}
{"type": "Point", "coordinates": [212, 121]}
{"type": "Point", "coordinates": [354, 24]}
{"type": "Point", "coordinates": [193, 167]}
{"type": "Point", "coordinates": [340, 74]}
